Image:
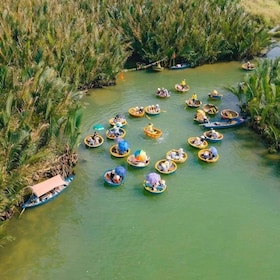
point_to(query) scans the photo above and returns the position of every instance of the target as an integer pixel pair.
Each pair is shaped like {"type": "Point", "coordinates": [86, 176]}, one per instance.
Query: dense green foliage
{"type": "Point", "coordinates": [259, 96]}
{"type": "Point", "coordinates": [51, 48]}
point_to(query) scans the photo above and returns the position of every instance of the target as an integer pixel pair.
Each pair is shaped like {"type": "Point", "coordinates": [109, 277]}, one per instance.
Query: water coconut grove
{"type": "Point", "coordinates": [53, 52]}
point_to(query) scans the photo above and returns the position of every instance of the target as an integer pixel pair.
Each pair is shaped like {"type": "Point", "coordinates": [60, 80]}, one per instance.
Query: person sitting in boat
{"type": "Point", "coordinates": [157, 108]}
{"type": "Point", "coordinates": [206, 154]}
{"type": "Point", "coordinates": [116, 179]}
{"type": "Point", "coordinates": [249, 65]}
{"type": "Point", "coordinates": [141, 110]}
{"type": "Point", "coordinates": [165, 165]}
{"type": "Point", "coordinates": [180, 153]}
{"type": "Point", "coordinates": [215, 92]}
{"type": "Point", "coordinates": [150, 127]}
{"type": "Point", "coordinates": [194, 97]}
{"type": "Point", "coordinates": [213, 134]}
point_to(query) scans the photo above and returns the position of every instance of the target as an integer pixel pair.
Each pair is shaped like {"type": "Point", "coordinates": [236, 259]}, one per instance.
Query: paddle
{"type": "Point", "coordinates": [147, 117]}
{"type": "Point", "coordinates": [21, 212]}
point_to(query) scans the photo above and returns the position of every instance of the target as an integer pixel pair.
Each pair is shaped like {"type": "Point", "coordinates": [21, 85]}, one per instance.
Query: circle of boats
{"type": "Point", "coordinates": [168, 165]}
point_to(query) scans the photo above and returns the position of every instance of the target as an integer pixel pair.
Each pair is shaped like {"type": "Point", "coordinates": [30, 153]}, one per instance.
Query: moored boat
{"type": "Point", "coordinates": [224, 123]}
{"type": "Point", "coordinates": [137, 112]}
{"type": "Point", "coordinates": [114, 177]}
{"type": "Point", "coordinates": [197, 142]}
{"type": "Point", "coordinates": [94, 140]}
{"type": "Point", "coordinates": [180, 66]}
{"type": "Point", "coordinates": [229, 114]}
{"type": "Point", "coordinates": [177, 155]}
{"type": "Point", "coordinates": [208, 155]}
{"type": "Point", "coordinates": [152, 110]}
{"type": "Point", "coordinates": [248, 66]}
{"type": "Point", "coordinates": [157, 67]}
{"type": "Point", "coordinates": [215, 95]}
{"type": "Point", "coordinates": [213, 135]}
{"type": "Point", "coordinates": [166, 166]}
{"type": "Point", "coordinates": [210, 109]}
{"type": "Point", "coordinates": [152, 132]}
{"type": "Point", "coordinates": [46, 191]}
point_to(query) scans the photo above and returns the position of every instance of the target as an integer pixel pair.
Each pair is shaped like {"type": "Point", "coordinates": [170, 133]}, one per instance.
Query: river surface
{"type": "Point", "coordinates": [215, 221]}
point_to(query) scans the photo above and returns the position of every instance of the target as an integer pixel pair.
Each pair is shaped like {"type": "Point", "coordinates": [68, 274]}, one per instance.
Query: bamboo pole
{"type": "Point", "coordinates": [142, 67]}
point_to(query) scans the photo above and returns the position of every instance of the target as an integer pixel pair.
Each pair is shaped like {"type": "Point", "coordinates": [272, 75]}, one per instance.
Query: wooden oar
{"type": "Point", "coordinates": [21, 212]}
{"type": "Point", "coordinates": [147, 117]}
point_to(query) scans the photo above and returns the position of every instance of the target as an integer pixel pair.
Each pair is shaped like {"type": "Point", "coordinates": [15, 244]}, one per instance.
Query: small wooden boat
{"type": "Point", "coordinates": [197, 142]}
{"type": "Point", "coordinates": [224, 123]}
{"type": "Point", "coordinates": [193, 103]}
{"type": "Point", "coordinates": [163, 93]}
{"type": "Point", "coordinates": [159, 188]}
{"type": "Point", "coordinates": [152, 110]}
{"type": "Point", "coordinates": [114, 151]}
{"type": "Point", "coordinates": [248, 66]}
{"type": "Point", "coordinates": [182, 88]}
{"type": "Point", "coordinates": [46, 191]}
{"type": "Point", "coordinates": [121, 121]}
{"type": "Point", "coordinates": [113, 133]}
{"type": "Point", "coordinates": [137, 112]}
{"type": "Point", "coordinates": [207, 156]}
{"type": "Point", "coordinates": [177, 155]}
{"type": "Point", "coordinates": [153, 133]}
{"type": "Point", "coordinates": [229, 114]}
{"type": "Point", "coordinates": [132, 161]}
{"type": "Point", "coordinates": [166, 166]}
{"type": "Point", "coordinates": [213, 136]}
{"type": "Point", "coordinates": [180, 66]}
{"type": "Point", "coordinates": [210, 109]}
{"type": "Point", "coordinates": [215, 95]}
{"type": "Point", "coordinates": [157, 67]}
{"type": "Point", "coordinates": [114, 178]}
{"type": "Point", "coordinates": [93, 141]}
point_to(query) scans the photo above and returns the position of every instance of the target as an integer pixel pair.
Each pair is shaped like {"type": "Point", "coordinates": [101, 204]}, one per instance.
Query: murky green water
{"type": "Point", "coordinates": [215, 222]}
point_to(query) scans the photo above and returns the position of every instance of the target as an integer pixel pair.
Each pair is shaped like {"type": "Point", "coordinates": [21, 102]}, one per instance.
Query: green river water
{"type": "Point", "coordinates": [215, 221]}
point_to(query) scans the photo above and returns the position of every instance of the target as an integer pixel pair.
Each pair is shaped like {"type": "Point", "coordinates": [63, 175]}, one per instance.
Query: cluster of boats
{"type": "Point", "coordinates": [169, 164]}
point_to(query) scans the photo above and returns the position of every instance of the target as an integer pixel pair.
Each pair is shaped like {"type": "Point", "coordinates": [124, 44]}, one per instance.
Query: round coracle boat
{"type": "Point", "coordinates": [248, 66]}
{"type": "Point", "coordinates": [177, 155]}
{"type": "Point", "coordinates": [213, 135]}
{"type": "Point", "coordinates": [166, 166]}
{"type": "Point", "coordinates": [133, 161]}
{"type": "Point", "coordinates": [229, 114]}
{"type": "Point", "coordinates": [137, 112]}
{"type": "Point", "coordinates": [113, 179]}
{"type": "Point", "coordinates": [157, 189]}
{"type": "Point", "coordinates": [152, 109]}
{"type": "Point", "coordinates": [215, 95]}
{"type": "Point", "coordinates": [93, 141]}
{"type": "Point", "coordinates": [114, 151]}
{"type": "Point", "coordinates": [154, 133]}
{"type": "Point", "coordinates": [163, 93]}
{"type": "Point", "coordinates": [197, 142]}
{"type": "Point", "coordinates": [193, 103]}
{"type": "Point", "coordinates": [118, 121]}
{"type": "Point", "coordinates": [208, 156]}
{"type": "Point", "coordinates": [113, 133]}
{"type": "Point", "coordinates": [182, 88]}
{"type": "Point", "coordinates": [210, 109]}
